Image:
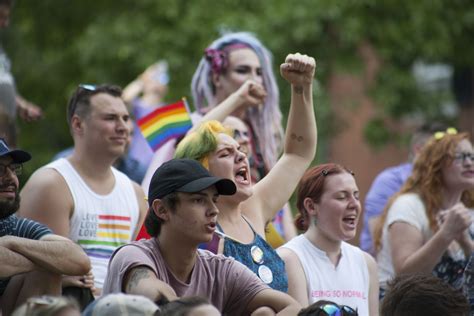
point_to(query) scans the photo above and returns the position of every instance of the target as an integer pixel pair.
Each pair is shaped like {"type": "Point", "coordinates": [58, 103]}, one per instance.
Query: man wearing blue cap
{"type": "Point", "coordinates": [32, 259]}
{"type": "Point", "coordinates": [183, 214]}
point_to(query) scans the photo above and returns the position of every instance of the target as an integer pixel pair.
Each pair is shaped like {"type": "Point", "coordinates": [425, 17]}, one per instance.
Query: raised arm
{"type": "Point", "coordinates": [52, 252]}
{"type": "Point", "coordinates": [249, 94]}
{"type": "Point", "coordinates": [275, 189]}
{"type": "Point", "coordinates": [141, 280]}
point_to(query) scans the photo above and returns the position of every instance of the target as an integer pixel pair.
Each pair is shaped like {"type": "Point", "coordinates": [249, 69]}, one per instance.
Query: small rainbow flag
{"type": "Point", "coordinates": [165, 123]}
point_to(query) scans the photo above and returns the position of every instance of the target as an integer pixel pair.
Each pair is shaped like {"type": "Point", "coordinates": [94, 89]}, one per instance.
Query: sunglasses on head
{"type": "Point", "coordinates": [84, 90]}
{"type": "Point", "coordinates": [333, 309]}
{"type": "Point", "coordinates": [81, 90]}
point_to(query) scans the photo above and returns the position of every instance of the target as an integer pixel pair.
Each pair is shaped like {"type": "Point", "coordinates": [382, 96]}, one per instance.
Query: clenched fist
{"type": "Point", "coordinates": [298, 69]}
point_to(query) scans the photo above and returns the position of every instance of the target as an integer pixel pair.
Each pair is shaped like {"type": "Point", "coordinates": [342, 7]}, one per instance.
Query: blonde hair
{"type": "Point", "coordinates": [198, 145]}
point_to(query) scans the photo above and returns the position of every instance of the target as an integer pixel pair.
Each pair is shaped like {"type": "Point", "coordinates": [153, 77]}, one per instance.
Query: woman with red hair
{"type": "Point", "coordinates": [427, 226]}
{"type": "Point", "coordinates": [320, 264]}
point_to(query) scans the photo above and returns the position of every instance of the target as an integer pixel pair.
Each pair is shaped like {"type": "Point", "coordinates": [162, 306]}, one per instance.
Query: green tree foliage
{"type": "Point", "coordinates": [56, 44]}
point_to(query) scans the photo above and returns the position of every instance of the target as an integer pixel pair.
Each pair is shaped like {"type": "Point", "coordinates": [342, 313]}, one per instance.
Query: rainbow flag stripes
{"type": "Point", "coordinates": [112, 232]}
{"type": "Point", "coordinates": [165, 123]}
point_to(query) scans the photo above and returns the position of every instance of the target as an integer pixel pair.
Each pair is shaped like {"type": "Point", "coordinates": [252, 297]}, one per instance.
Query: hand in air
{"type": "Point", "coordinates": [298, 69]}
{"type": "Point", "coordinates": [251, 93]}
{"type": "Point", "coordinates": [28, 111]}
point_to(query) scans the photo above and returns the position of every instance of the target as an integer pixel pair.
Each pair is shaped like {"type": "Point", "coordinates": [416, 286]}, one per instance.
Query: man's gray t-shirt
{"type": "Point", "coordinates": [228, 284]}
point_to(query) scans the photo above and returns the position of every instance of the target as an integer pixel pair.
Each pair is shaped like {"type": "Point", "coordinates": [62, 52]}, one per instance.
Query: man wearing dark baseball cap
{"type": "Point", "coordinates": [182, 215]}
{"type": "Point", "coordinates": [17, 155]}
{"type": "Point", "coordinates": [32, 258]}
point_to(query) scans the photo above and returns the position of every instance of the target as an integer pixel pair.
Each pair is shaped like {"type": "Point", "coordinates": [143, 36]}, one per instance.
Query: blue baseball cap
{"type": "Point", "coordinates": [18, 155]}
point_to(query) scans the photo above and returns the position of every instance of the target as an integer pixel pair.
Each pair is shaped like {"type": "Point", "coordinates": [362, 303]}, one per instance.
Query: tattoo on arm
{"type": "Point", "coordinates": [298, 89]}
{"type": "Point", "coordinates": [136, 275]}
{"type": "Point", "coordinates": [296, 137]}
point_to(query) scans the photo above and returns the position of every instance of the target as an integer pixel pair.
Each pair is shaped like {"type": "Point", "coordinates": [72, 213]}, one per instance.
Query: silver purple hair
{"type": "Point", "coordinates": [265, 120]}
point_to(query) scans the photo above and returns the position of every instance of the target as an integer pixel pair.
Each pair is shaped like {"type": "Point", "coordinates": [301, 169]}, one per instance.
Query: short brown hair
{"type": "Point", "coordinates": [422, 294]}
{"type": "Point", "coordinates": [152, 222]}
{"type": "Point", "coordinates": [79, 103]}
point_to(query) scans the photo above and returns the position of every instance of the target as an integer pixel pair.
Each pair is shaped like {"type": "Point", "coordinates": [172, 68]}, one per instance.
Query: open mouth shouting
{"type": "Point", "coordinates": [350, 221]}
{"type": "Point", "coordinates": [242, 176]}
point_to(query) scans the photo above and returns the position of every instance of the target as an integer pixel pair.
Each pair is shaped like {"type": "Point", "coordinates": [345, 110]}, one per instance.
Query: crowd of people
{"type": "Point", "coordinates": [208, 203]}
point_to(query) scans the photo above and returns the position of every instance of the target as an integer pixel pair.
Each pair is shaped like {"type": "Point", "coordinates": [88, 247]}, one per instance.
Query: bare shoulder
{"type": "Point", "coordinates": [46, 198]}
{"type": "Point", "coordinates": [138, 191]}
{"type": "Point", "coordinates": [371, 263]}
{"type": "Point", "coordinates": [292, 262]}
{"type": "Point", "coordinates": [287, 254]}
{"type": "Point", "coordinates": [45, 179]}
{"type": "Point", "coordinates": [46, 183]}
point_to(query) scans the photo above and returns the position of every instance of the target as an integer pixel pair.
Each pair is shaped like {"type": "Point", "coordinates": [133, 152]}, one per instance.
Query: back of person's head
{"type": "Point", "coordinates": [79, 103]}
{"type": "Point", "coordinates": [198, 145]}
{"type": "Point", "coordinates": [312, 185]}
{"type": "Point", "coordinates": [265, 120]}
{"type": "Point", "coordinates": [420, 295]}
{"type": "Point", "coordinates": [189, 306]}
{"type": "Point", "coordinates": [421, 136]}
{"type": "Point", "coordinates": [123, 305]}
{"type": "Point", "coordinates": [48, 306]}
{"type": "Point", "coordinates": [327, 308]}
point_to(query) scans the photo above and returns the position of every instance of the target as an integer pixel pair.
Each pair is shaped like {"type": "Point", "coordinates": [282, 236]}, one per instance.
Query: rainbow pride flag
{"type": "Point", "coordinates": [165, 123]}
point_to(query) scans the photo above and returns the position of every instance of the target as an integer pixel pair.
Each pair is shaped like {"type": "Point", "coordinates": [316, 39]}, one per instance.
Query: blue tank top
{"type": "Point", "coordinates": [258, 256]}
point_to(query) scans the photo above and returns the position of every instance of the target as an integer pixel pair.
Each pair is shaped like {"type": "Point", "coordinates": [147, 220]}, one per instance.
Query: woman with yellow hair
{"type": "Point", "coordinates": [243, 216]}
{"type": "Point", "coordinates": [427, 226]}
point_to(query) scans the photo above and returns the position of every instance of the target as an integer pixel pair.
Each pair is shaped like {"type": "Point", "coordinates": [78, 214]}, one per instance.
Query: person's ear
{"type": "Point", "coordinates": [160, 210]}
{"type": "Point", "coordinates": [216, 80]}
{"type": "Point", "coordinates": [311, 207]}
{"type": "Point", "coordinates": [77, 125]}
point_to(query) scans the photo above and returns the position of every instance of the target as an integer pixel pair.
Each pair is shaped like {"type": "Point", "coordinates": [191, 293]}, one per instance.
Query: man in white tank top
{"type": "Point", "coordinates": [82, 196]}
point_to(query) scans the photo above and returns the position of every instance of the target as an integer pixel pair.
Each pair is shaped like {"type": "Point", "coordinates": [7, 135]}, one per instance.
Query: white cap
{"type": "Point", "coordinates": [121, 304]}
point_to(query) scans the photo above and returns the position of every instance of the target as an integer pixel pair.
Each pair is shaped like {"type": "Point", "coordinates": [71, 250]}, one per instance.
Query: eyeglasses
{"type": "Point", "coordinates": [449, 131]}
{"type": "Point", "coordinates": [16, 168]}
{"type": "Point", "coordinates": [463, 157]}
{"type": "Point", "coordinates": [333, 309]}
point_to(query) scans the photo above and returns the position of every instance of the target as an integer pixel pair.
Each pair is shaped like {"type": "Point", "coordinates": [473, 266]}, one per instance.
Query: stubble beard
{"type": "Point", "coordinates": [9, 207]}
